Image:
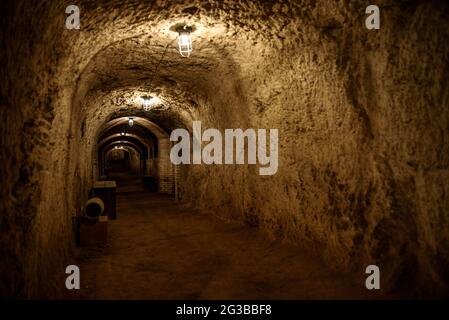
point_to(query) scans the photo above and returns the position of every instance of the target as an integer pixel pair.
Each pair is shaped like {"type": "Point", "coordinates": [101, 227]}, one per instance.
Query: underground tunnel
{"type": "Point", "coordinates": [88, 111]}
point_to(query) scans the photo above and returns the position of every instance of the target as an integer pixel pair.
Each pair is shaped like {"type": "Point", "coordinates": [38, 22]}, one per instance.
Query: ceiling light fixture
{"type": "Point", "coordinates": [184, 41]}
{"type": "Point", "coordinates": [147, 102]}
{"type": "Point", "coordinates": [131, 121]}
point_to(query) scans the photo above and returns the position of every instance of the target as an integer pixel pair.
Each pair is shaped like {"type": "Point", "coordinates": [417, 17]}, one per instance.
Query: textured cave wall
{"type": "Point", "coordinates": [362, 118]}
{"type": "Point", "coordinates": [33, 151]}
{"type": "Point", "coordinates": [364, 147]}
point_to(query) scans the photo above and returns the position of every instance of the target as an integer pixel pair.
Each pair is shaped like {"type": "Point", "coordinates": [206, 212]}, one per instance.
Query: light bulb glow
{"type": "Point", "coordinates": [184, 41]}
{"type": "Point", "coordinates": [130, 122]}
{"type": "Point", "coordinates": [147, 102]}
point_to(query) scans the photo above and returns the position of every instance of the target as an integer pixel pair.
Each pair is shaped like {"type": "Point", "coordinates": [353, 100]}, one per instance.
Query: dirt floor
{"type": "Point", "coordinates": [161, 249]}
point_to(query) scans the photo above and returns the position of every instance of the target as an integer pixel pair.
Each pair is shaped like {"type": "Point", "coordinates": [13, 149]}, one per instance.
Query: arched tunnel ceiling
{"type": "Point", "coordinates": [127, 136]}
{"type": "Point", "coordinates": [137, 130]}
{"type": "Point", "coordinates": [127, 149]}
{"type": "Point", "coordinates": [124, 57]}
{"type": "Point", "coordinates": [127, 144]}
{"type": "Point", "coordinates": [116, 89]}
{"type": "Point", "coordinates": [150, 126]}
{"type": "Point", "coordinates": [141, 145]}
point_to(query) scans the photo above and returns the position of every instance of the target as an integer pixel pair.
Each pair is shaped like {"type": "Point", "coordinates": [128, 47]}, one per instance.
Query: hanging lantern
{"type": "Point", "coordinates": [184, 41]}
{"type": "Point", "coordinates": [130, 121]}
{"type": "Point", "coordinates": [147, 101]}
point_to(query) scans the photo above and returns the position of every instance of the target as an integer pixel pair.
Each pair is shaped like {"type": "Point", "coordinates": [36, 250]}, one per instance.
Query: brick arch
{"type": "Point", "coordinates": [163, 169]}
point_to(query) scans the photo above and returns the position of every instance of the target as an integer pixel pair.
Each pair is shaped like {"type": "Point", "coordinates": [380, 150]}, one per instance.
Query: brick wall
{"type": "Point", "coordinates": [166, 173]}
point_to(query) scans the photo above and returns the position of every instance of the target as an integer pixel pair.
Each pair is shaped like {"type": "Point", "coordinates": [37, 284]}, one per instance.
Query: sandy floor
{"type": "Point", "coordinates": [160, 249]}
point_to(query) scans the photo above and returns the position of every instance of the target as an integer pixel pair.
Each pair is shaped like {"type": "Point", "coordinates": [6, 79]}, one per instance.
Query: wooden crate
{"type": "Point", "coordinates": [94, 233]}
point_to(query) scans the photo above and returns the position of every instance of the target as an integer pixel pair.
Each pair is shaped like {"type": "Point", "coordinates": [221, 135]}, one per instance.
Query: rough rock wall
{"type": "Point", "coordinates": [363, 120]}
{"type": "Point", "coordinates": [363, 149]}
{"type": "Point", "coordinates": [33, 151]}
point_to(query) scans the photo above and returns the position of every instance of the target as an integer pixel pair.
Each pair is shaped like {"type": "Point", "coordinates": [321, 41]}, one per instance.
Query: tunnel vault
{"type": "Point", "coordinates": [151, 141]}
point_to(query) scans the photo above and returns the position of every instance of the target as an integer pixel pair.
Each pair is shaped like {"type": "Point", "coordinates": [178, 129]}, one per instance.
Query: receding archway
{"type": "Point", "coordinates": [151, 139]}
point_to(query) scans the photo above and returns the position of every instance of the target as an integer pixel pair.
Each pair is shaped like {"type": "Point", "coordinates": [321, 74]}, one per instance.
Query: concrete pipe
{"type": "Point", "coordinates": [94, 208]}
